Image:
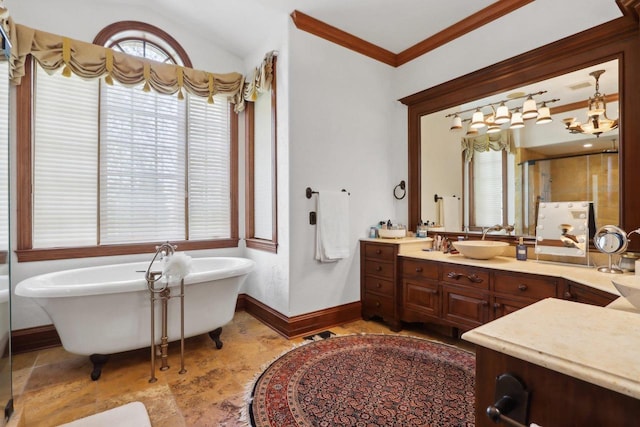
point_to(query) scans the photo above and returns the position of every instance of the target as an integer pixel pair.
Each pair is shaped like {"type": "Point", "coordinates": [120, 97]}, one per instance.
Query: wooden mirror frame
{"type": "Point", "coordinates": [617, 39]}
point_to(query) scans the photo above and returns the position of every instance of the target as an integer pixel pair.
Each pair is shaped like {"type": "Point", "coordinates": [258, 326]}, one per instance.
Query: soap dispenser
{"type": "Point", "coordinates": [521, 250]}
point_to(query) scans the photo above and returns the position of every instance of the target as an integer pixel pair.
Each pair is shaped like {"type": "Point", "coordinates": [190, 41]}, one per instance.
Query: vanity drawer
{"type": "Point", "coordinates": [375, 304]}
{"type": "Point", "coordinates": [466, 276]}
{"type": "Point", "coordinates": [382, 252]}
{"type": "Point", "coordinates": [526, 286]}
{"type": "Point", "coordinates": [419, 269]}
{"type": "Point", "coordinates": [376, 268]}
{"type": "Point", "coordinates": [377, 285]}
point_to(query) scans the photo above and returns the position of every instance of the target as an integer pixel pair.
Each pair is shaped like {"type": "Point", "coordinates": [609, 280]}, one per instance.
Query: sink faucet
{"type": "Point", "coordinates": [496, 227]}
{"type": "Point", "coordinates": [162, 250]}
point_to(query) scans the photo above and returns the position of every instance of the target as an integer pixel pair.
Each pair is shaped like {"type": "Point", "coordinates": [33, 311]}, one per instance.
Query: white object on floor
{"type": "Point", "coordinates": [132, 414]}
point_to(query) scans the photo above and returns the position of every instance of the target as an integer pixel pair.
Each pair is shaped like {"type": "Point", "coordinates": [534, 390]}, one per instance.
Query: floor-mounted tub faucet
{"type": "Point", "coordinates": [163, 294]}
{"type": "Point", "coordinates": [162, 250]}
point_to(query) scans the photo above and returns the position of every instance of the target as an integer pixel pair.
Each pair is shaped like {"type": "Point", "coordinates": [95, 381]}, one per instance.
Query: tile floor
{"type": "Point", "coordinates": [52, 386]}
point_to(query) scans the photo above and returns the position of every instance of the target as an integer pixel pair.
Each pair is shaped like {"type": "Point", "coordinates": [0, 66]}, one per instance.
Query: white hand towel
{"type": "Point", "coordinates": [450, 213]}
{"type": "Point", "coordinates": [332, 226]}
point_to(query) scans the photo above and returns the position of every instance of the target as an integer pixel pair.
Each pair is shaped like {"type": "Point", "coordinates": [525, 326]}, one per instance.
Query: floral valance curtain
{"type": "Point", "coordinates": [491, 141]}
{"type": "Point", "coordinates": [262, 78]}
{"type": "Point", "coordinates": [92, 61]}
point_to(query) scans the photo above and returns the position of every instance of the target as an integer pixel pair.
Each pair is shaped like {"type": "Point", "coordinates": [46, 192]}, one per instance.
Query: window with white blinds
{"type": "Point", "coordinates": [117, 165]}
{"type": "Point", "coordinates": [487, 188]}
{"type": "Point", "coordinates": [4, 154]}
{"type": "Point", "coordinates": [65, 161]}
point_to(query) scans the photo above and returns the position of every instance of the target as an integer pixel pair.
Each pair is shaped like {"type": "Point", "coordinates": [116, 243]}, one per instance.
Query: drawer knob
{"type": "Point", "coordinates": [418, 269]}
{"type": "Point", "coordinates": [379, 285]}
{"type": "Point", "coordinates": [379, 268]}
{"type": "Point", "coordinates": [377, 303]}
{"type": "Point", "coordinates": [497, 305]}
{"type": "Point", "coordinates": [378, 251]}
{"type": "Point", "coordinates": [522, 287]}
{"type": "Point", "coordinates": [568, 295]}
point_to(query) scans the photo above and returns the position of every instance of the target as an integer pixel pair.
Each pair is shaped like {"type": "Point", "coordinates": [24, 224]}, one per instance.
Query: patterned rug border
{"type": "Point", "coordinates": [245, 411]}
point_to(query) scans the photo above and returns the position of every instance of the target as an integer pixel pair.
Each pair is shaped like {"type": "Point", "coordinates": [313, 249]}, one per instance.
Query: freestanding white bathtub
{"type": "Point", "coordinates": [105, 310]}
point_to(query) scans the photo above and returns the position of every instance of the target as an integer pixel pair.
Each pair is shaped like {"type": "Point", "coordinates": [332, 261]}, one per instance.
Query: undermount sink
{"type": "Point", "coordinates": [629, 287]}
{"type": "Point", "coordinates": [480, 249]}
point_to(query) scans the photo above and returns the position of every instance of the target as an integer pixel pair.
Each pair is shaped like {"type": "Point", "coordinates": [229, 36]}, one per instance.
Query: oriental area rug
{"type": "Point", "coordinates": [366, 380]}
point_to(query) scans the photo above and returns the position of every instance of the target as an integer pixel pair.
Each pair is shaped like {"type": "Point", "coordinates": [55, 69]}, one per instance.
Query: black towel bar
{"type": "Point", "coordinates": [309, 192]}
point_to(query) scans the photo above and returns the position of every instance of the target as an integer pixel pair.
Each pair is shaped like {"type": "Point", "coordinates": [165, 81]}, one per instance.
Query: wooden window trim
{"type": "Point", "coordinates": [269, 245]}
{"type": "Point", "coordinates": [24, 159]}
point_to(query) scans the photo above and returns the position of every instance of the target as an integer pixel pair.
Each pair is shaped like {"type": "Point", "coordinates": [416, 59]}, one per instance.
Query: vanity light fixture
{"type": "Point", "coordinates": [517, 121]}
{"type": "Point", "coordinates": [456, 123]}
{"type": "Point", "coordinates": [529, 108]}
{"type": "Point", "coordinates": [477, 120]}
{"type": "Point", "coordinates": [498, 119]}
{"type": "Point", "coordinates": [597, 120]}
{"type": "Point", "coordinates": [544, 115]}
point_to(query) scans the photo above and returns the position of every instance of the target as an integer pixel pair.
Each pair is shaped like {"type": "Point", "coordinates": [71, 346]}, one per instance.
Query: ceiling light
{"type": "Point", "coordinates": [597, 120]}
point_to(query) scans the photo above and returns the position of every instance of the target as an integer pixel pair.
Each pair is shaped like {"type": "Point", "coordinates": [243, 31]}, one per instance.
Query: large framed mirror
{"type": "Point", "coordinates": [615, 45]}
{"type": "Point", "coordinates": [508, 169]}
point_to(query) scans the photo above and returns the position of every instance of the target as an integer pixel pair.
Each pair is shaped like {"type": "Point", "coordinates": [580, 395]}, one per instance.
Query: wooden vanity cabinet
{"type": "Point", "coordinates": [465, 295]}
{"type": "Point", "coordinates": [420, 290]}
{"type": "Point", "coordinates": [513, 291]}
{"type": "Point", "coordinates": [378, 277]}
{"type": "Point", "coordinates": [581, 293]}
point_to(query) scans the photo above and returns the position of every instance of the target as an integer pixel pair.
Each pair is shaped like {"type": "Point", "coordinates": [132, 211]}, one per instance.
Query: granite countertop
{"type": "Point", "coordinates": [594, 344]}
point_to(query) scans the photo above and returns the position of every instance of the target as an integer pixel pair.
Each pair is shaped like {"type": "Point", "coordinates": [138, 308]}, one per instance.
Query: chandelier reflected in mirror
{"type": "Point", "coordinates": [597, 121]}
{"type": "Point", "coordinates": [503, 117]}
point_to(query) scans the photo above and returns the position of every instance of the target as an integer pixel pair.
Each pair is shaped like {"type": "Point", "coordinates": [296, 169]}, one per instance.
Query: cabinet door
{"type": "Point", "coordinates": [464, 308]}
{"type": "Point", "coordinates": [504, 305]}
{"type": "Point", "coordinates": [587, 295]}
{"type": "Point", "coordinates": [420, 300]}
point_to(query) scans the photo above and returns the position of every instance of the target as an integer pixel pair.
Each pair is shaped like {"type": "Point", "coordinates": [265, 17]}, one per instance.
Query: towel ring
{"type": "Point", "coordinates": [402, 187]}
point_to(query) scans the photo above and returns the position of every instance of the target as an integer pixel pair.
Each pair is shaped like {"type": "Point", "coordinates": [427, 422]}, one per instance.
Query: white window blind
{"type": "Point", "coordinates": [487, 188]}
{"type": "Point", "coordinates": [65, 161]}
{"type": "Point", "coordinates": [4, 154]}
{"type": "Point", "coordinates": [142, 165]}
{"type": "Point", "coordinates": [209, 165]}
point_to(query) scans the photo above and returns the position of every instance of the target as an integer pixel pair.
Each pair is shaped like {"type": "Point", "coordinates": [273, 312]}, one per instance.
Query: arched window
{"type": "Point", "coordinates": [119, 168]}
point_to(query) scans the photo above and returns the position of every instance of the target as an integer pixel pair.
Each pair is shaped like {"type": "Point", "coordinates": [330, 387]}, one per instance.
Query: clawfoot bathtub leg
{"type": "Point", "coordinates": [98, 361]}
{"type": "Point", "coordinates": [215, 336]}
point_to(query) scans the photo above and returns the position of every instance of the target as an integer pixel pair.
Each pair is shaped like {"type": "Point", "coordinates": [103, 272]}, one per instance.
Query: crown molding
{"type": "Point", "coordinates": [630, 8]}
{"type": "Point", "coordinates": [473, 22]}
{"type": "Point", "coordinates": [335, 35]}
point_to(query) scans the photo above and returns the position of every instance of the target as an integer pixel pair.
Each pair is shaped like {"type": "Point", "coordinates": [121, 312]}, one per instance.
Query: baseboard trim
{"type": "Point", "coordinates": [42, 337]}
{"type": "Point", "coordinates": [32, 339]}
{"type": "Point", "coordinates": [304, 324]}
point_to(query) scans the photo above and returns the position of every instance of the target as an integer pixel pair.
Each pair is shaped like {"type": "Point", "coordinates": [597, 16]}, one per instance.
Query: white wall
{"type": "Point", "coordinates": [341, 136]}
{"type": "Point", "coordinates": [269, 283]}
